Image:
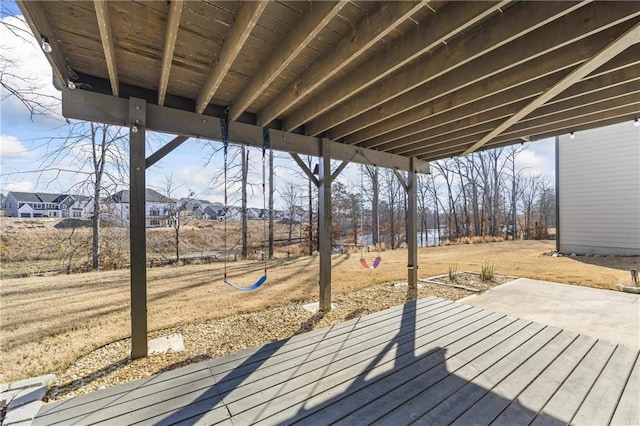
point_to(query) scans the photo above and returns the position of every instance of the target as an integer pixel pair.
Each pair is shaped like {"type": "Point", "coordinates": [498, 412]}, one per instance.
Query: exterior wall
{"type": "Point", "coordinates": [11, 207]}
{"type": "Point", "coordinates": [599, 191]}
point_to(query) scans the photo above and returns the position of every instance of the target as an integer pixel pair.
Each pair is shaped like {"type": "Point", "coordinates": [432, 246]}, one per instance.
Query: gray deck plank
{"type": "Point", "coordinates": [468, 365]}
{"type": "Point", "coordinates": [433, 360]}
{"type": "Point", "coordinates": [118, 391]}
{"type": "Point", "coordinates": [297, 367]}
{"type": "Point", "coordinates": [93, 404]}
{"type": "Point", "coordinates": [628, 409]}
{"type": "Point", "coordinates": [373, 336]}
{"type": "Point", "coordinates": [599, 405]}
{"type": "Point", "coordinates": [274, 353]}
{"type": "Point", "coordinates": [521, 411]}
{"type": "Point", "coordinates": [313, 337]}
{"type": "Point", "coordinates": [365, 405]}
{"type": "Point", "coordinates": [286, 401]}
{"type": "Point", "coordinates": [494, 402]}
{"type": "Point", "coordinates": [562, 406]}
{"type": "Point", "coordinates": [477, 385]}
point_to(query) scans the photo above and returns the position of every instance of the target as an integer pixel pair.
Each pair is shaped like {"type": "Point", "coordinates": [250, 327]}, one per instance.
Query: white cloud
{"type": "Point", "coordinates": [538, 159]}
{"type": "Point", "coordinates": [10, 146]}
{"type": "Point", "coordinates": [25, 67]}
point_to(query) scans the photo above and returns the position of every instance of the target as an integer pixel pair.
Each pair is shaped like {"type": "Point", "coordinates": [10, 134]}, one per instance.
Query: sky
{"type": "Point", "coordinates": [196, 166]}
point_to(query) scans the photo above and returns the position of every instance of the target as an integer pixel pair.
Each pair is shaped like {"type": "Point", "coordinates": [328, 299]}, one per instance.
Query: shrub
{"type": "Point", "coordinates": [453, 271]}
{"type": "Point", "coordinates": [486, 273]}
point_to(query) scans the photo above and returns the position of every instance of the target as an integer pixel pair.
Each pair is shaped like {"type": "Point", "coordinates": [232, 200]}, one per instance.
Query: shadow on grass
{"type": "Point", "coordinates": [623, 263]}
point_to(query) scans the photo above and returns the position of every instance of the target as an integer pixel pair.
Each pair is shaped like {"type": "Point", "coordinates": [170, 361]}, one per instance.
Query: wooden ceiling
{"type": "Point", "coordinates": [427, 79]}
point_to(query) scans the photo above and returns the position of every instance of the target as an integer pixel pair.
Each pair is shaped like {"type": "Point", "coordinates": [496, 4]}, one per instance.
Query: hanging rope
{"type": "Point", "coordinates": [266, 145]}
{"type": "Point", "coordinates": [378, 259]}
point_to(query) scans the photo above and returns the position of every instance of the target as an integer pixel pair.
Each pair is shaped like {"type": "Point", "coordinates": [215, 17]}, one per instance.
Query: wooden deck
{"type": "Point", "coordinates": [430, 362]}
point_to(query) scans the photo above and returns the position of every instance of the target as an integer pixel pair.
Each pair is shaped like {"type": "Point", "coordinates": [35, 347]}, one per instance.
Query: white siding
{"type": "Point", "coordinates": [599, 191]}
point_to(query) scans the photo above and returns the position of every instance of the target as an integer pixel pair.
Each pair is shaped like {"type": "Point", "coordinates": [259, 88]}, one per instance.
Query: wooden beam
{"type": "Point", "coordinates": [164, 150]}
{"type": "Point", "coordinates": [246, 18]}
{"type": "Point", "coordinates": [583, 118]}
{"type": "Point", "coordinates": [449, 21]}
{"type": "Point", "coordinates": [412, 228]}
{"type": "Point", "coordinates": [324, 225]}
{"type": "Point", "coordinates": [587, 92]}
{"type": "Point", "coordinates": [36, 18]}
{"type": "Point", "coordinates": [338, 170]}
{"type": "Point", "coordinates": [538, 49]}
{"type": "Point", "coordinates": [106, 36]}
{"type": "Point", "coordinates": [625, 114]}
{"type": "Point", "coordinates": [628, 39]}
{"type": "Point", "coordinates": [170, 36]}
{"type": "Point", "coordinates": [91, 106]}
{"type": "Point", "coordinates": [367, 32]}
{"type": "Point", "coordinates": [528, 128]}
{"type": "Point", "coordinates": [304, 168]}
{"type": "Point", "coordinates": [313, 20]}
{"type": "Point", "coordinates": [518, 20]}
{"type": "Point", "coordinates": [137, 228]}
{"type": "Point", "coordinates": [498, 90]}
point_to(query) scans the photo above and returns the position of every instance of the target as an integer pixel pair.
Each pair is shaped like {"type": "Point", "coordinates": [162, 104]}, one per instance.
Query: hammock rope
{"type": "Point", "coordinates": [224, 126]}
{"type": "Point", "coordinates": [376, 262]}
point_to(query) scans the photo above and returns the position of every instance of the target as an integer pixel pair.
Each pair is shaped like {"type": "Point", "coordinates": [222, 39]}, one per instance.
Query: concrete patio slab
{"type": "Point", "coordinates": [605, 314]}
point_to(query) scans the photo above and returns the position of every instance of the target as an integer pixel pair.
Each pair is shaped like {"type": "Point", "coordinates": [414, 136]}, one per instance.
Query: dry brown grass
{"type": "Point", "coordinates": [48, 322]}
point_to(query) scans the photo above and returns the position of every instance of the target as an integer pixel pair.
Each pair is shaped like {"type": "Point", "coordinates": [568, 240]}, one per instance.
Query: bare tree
{"type": "Point", "coordinates": [373, 194]}
{"type": "Point", "coordinates": [291, 199]}
{"type": "Point", "coordinates": [95, 157]}
{"type": "Point", "coordinates": [17, 82]}
{"type": "Point", "coordinates": [175, 213]}
{"type": "Point", "coordinates": [392, 188]}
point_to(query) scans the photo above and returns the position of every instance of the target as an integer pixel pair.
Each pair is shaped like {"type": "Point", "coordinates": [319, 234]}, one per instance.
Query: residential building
{"type": "Point", "coordinates": [598, 191]}
{"type": "Point", "coordinates": [158, 209]}
{"type": "Point", "coordinates": [46, 205]}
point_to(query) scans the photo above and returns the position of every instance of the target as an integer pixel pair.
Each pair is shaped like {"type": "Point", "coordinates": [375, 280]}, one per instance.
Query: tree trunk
{"type": "Point", "coordinates": [176, 226]}
{"type": "Point", "coordinates": [375, 210]}
{"type": "Point", "coordinates": [95, 225]}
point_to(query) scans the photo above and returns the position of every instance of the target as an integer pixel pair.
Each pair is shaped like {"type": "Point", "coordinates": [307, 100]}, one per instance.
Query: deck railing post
{"type": "Point", "coordinates": [137, 229]}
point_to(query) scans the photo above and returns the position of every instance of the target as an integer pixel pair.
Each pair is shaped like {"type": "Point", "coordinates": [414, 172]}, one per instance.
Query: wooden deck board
{"type": "Point", "coordinates": [600, 403]}
{"type": "Point", "coordinates": [430, 361]}
{"type": "Point", "coordinates": [628, 410]}
{"type": "Point", "coordinates": [394, 390]}
{"type": "Point", "coordinates": [314, 369]}
{"type": "Point", "coordinates": [474, 380]}
{"type": "Point", "coordinates": [494, 402]}
{"type": "Point", "coordinates": [563, 404]}
{"type": "Point", "coordinates": [283, 401]}
{"type": "Point", "coordinates": [524, 408]}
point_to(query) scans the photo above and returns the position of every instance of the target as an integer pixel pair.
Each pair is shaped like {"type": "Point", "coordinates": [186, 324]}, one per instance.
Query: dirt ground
{"type": "Point", "coordinates": [49, 322]}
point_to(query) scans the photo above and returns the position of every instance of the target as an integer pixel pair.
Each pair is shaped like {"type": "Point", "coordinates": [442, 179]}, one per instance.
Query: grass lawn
{"type": "Point", "coordinates": [48, 322]}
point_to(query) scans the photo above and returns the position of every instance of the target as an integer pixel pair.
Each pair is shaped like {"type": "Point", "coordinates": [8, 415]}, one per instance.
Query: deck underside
{"type": "Point", "coordinates": [431, 361]}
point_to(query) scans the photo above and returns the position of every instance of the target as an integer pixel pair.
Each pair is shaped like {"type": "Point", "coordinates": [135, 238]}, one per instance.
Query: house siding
{"type": "Point", "coordinates": [599, 191]}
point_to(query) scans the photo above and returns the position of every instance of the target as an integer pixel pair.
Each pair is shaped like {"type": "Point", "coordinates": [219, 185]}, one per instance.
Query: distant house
{"type": "Point", "coordinates": [158, 208]}
{"type": "Point", "coordinates": [46, 205]}
{"type": "Point", "coordinates": [206, 212]}
{"type": "Point", "coordinates": [599, 191]}
{"type": "Point", "coordinates": [254, 213]}
{"type": "Point", "coordinates": [189, 206]}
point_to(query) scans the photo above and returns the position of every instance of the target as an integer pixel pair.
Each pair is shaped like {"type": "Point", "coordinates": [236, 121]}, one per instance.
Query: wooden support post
{"type": "Point", "coordinates": [137, 236]}
{"type": "Point", "coordinates": [324, 231]}
{"type": "Point", "coordinates": [412, 236]}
